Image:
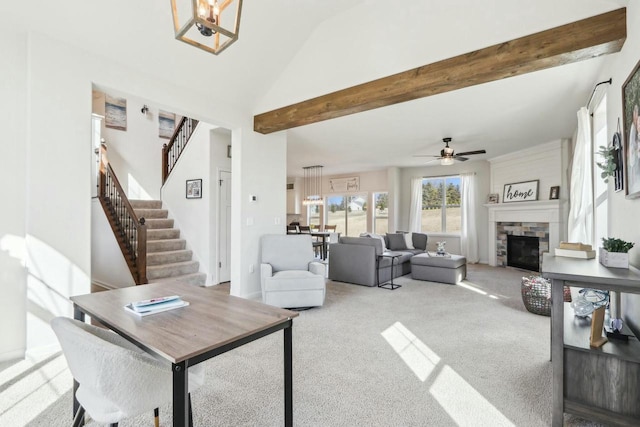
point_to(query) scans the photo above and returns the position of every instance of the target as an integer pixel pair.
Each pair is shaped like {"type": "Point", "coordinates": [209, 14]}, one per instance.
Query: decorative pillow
{"type": "Point", "coordinates": [396, 242]}
{"type": "Point", "coordinates": [377, 236]}
{"type": "Point", "coordinates": [408, 240]}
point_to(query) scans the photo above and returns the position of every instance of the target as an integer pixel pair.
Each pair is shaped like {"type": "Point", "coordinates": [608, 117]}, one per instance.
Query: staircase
{"type": "Point", "coordinates": [167, 258]}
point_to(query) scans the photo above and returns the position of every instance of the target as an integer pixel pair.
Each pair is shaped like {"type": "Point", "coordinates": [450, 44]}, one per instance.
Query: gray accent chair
{"type": "Point", "coordinates": [289, 275]}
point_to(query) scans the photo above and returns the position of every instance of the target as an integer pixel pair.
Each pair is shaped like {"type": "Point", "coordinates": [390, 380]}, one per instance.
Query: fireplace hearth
{"type": "Point", "coordinates": [523, 252]}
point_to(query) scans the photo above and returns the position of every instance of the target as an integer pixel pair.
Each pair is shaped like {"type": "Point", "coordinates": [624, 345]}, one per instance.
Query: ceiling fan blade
{"type": "Point", "coordinates": [468, 153]}
{"type": "Point", "coordinates": [425, 155]}
{"type": "Point", "coordinates": [462, 159]}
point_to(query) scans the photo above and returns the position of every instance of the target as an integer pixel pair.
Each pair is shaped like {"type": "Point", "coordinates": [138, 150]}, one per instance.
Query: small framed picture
{"type": "Point", "coordinates": [194, 189]}
{"type": "Point", "coordinates": [493, 198]}
{"type": "Point", "coordinates": [554, 193]}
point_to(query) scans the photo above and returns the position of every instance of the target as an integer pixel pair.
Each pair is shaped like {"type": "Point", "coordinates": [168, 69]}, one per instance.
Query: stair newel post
{"type": "Point", "coordinates": [165, 162]}
{"type": "Point", "coordinates": [142, 252]}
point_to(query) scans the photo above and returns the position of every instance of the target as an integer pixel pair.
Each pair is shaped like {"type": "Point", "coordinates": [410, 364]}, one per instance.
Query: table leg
{"type": "Point", "coordinates": [78, 417]}
{"type": "Point", "coordinates": [557, 349]}
{"type": "Point", "coordinates": [324, 247]}
{"type": "Point", "coordinates": [180, 395]}
{"type": "Point", "coordinates": [288, 376]}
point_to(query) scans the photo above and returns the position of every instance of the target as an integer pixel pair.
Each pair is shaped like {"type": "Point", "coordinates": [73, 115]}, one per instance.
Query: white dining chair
{"type": "Point", "coordinates": [117, 380]}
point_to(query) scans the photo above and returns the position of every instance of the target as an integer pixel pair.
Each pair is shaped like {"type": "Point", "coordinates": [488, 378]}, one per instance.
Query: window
{"type": "Point", "coordinates": [441, 204]}
{"type": "Point", "coordinates": [348, 214]}
{"type": "Point", "coordinates": [381, 213]}
{"type": "Point", "coordinates": [313, 215]}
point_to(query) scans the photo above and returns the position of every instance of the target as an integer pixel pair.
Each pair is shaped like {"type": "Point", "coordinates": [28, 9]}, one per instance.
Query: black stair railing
{"type": "Point", "coordinates": [130, 231]}
{"type": "Point", "coordinates": [171, 152]}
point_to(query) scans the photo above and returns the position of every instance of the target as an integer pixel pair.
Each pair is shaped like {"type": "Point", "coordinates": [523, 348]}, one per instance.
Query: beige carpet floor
{"type": "Point", "coordinates": [426, 354]}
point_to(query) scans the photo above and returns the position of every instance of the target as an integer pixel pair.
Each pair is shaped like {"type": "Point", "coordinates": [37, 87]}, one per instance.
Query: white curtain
{"type": "Point", "coordinates": [581, 196]}
{"type": "Point", "coordinates": [469, 232]}
{"type": "Point", "coordinates": [415, 209]}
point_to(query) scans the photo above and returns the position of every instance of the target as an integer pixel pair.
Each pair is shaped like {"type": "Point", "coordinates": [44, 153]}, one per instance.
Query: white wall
{"type": "Point", "coordinates": [624, 213]}
{"type": "Point", "coordinates": [135, 154]}
{"type": "Point", "coordinates": [546, 163]}
{"type": "Point", "coordinates": [481, 169]}
{"type": "Point", "coordinates": [13, 181]}
{"type": "Point", "coordinates": [108, 266]}
{"type": "Point", "coordinates": [265, 157]}
{"type": "Point", "coordinates": [53, 138]}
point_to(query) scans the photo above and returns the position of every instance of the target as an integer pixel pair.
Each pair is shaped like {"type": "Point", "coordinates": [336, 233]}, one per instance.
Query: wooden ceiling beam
{"type": "Point", "coordinates": [577, 41]}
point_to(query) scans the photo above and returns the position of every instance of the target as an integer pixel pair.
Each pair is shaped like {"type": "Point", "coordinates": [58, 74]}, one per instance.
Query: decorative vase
{"type": "Point", "coordinates": [613, 259]}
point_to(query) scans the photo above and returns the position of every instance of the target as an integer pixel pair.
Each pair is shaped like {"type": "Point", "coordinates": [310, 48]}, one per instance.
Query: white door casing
{"type": "Point", "coordinates": [224, 227]}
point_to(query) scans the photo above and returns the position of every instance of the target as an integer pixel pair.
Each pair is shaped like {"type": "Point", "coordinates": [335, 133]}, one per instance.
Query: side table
{"type": "Point", "coordinates": [387, 285]}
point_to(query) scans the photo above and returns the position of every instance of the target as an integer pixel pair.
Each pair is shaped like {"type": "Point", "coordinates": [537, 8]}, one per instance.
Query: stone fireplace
{"type": "Point", "coordinates": [543, 219]}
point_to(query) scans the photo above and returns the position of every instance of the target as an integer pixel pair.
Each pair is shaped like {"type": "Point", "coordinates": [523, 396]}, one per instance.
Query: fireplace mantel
{"type": "Point", "coordinates": [553, 212]}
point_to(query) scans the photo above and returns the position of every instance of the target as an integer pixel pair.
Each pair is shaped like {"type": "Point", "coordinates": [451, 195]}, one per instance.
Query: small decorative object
{"type": "Point", "coordinates": [554, 193]}
{"type": "Point", "coordinates": [631, 122]}
{"type": "Point", "coordinates": [588, 300]}
{"type": "Point", "coordinates": [536, 295]}
{"type": "Point", "coordinates": [493, 198]}
{"type": "Point", "coordinates": [614, 253]}
{"type": "Point", "coordinates": [440, 249]}
{"type": "Point", "coordinates": [597, 322]}
{"type": "Point", "coordinates": [520, 192]}
{"type": "Point", "coordinates": [619, 159]}
{"type": "Point", "coordinates": [194, 189]}
{"type": "Point", "coordinates": [115, 111]}
{"type": "Point", "coordinates": [166, 124]}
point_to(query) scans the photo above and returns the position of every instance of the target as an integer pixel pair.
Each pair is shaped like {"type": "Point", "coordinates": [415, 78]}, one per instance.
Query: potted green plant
{"type": "Point", "coordinates": [608, 164]}
{"type": "Point", "coordinates": [614, 252]}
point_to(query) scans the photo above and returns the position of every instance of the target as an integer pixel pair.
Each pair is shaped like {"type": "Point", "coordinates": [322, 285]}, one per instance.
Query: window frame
{"type": "Point", "coordinates": [443, 207]}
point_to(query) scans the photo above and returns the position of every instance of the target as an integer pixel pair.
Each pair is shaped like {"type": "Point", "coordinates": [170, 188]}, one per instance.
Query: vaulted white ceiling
{"type": "Point", "coordinates": [292, 50]}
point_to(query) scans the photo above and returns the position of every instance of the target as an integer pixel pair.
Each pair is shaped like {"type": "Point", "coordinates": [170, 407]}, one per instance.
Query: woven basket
{"type": "Point", "coordinates": [536, 295]}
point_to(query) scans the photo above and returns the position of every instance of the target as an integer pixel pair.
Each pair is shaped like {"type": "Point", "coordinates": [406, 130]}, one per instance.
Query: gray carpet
{"type": "Point", "coordinates": [426, 354]}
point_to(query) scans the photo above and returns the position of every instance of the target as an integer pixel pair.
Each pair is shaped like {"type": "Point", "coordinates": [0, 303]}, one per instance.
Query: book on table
{"type": "Point", "coordinates": [575, 250]}
{"type": "Point", "coordinates": [155, 305]}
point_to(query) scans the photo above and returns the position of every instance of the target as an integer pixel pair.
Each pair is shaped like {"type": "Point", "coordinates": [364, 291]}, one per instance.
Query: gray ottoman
{"type": "Point", "coordinates": [451, 269]}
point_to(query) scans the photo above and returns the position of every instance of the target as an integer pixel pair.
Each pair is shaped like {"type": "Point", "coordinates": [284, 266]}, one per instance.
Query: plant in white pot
{"type": "Point", "coordinates": [614, 252]}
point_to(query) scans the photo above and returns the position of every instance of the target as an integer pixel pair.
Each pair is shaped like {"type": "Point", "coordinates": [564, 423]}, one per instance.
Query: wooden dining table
{"type": "Point", "coordinates": [213, 323]}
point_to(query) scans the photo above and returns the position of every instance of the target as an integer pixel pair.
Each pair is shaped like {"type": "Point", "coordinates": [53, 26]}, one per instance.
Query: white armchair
{"type": "Point", "coordinates": [289, 276]}
{"type": "Point", "coordinates": [116, 379]}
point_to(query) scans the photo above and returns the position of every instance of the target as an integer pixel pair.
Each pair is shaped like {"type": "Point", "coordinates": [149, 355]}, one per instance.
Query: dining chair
{"type": "Point", "coordinates": [292, 229]}
{"type": "Point", "coordinates": [304, 229]}
{"type": "Point", "coordinates": [117, 380]}
{"type": "Point", "coordinates": [330, 228]}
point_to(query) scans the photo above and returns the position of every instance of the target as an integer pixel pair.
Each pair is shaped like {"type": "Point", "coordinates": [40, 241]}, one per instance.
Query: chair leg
{"type": "Point", "coordinates": [78, 420]}
{"type": "Point", "coordinates": [190, 412]}
{"type": "Point", "coordinates": [156, 417]}
{"type": "Point", "coordinates": [113, 425]}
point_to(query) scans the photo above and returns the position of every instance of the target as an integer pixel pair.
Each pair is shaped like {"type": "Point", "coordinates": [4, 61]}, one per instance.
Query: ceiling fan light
{"type": "Point", "coordinates": [446, 161]}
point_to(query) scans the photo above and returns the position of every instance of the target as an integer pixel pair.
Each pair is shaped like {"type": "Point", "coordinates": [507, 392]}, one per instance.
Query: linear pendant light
{"type": "Point", "coordinates": [312, 186]}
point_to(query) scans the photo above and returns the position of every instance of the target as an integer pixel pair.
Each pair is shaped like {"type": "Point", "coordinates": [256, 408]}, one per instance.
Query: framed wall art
{"type": "Point", "coordinates": [520, 192]}
{"type": "Point", "coordinates": [554, 193]}
{"type": "Point", "coordinates": [115, 112]}
{"type": "Point", "coordinates": [166, 124]}
{"type": "Point", "coordinates": [631, 122]}
{"type": "Point", "coordinates": [194, 189]}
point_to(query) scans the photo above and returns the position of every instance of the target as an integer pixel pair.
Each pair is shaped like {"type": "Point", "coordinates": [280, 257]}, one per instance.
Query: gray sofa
{"type": "Point", "coordinates": [355, 259]}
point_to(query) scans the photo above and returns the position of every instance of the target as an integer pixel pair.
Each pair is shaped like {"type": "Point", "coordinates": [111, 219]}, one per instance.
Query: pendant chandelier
{"type": "Point", "coordinates": [210, 25]}
{"type": "Point", "coordinates": [312, 186]}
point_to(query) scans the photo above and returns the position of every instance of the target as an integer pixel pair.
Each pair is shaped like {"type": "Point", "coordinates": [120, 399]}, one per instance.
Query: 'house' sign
{"type": "Point", "coordinates": [520, 192]}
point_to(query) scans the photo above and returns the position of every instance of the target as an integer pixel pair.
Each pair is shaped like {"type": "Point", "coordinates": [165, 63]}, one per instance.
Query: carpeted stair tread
{"type": "Point", "coordinates": [156, 223]}
{"type": "Point", "coordinates": [151, 213]}
{"type": "Point", "coordinates": [146, 204]}
{"type": "Point", "coordinates": [163, 245]}
{"type": "Point", "coordinates": [198, 279]}
{"type": "Point", "coordinates": [162, 233]}
{"type": "Point", "coordinates": [172, 270]}
{"type": "Point", "coordinates": [168, 257]}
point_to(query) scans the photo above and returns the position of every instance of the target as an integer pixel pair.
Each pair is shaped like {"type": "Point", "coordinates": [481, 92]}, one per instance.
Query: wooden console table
{"type": "Point", "coordinates": [602, 384]}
